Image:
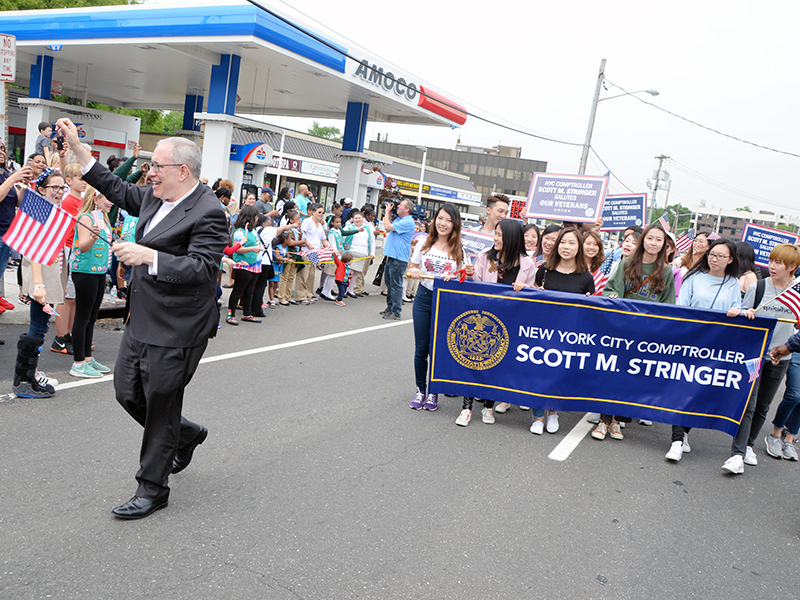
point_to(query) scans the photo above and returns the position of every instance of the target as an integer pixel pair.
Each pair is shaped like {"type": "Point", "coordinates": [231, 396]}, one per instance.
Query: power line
{"type": "Point", "coordinates": [733, 137]}
{"type": "Point", "coordinates": [728, 188]}
{"type": "Point", "coordinates": [609, 170]}
{"type": "Point", "coordinates": [420, 92]}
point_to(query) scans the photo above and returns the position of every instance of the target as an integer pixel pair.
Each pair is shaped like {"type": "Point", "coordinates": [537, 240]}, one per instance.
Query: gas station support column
{"type": "Point", "coordinates": [218, 132]}
{"type": "Point", "coordinates": [41, 82]}
{"type": "Point", "coordinates": [355, 131]}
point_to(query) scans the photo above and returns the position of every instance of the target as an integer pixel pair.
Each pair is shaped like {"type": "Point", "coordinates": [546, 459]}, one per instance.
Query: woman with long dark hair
{"type": "Point", "coordinates": [246, 264]}
{"type": "Point", "coordinates": [748, 271]}
{"type": "Point", "coordinates": [646, 275]}
{"type": "Point", "coordinates": [505, 262]}
{"type": "Point", "coordinates": [530, 233]}
{"type": "Point", "coordinates": [565, 270]}
{"type": "Point", "coordinates": [439, 256]}
{"type": "Point", "coordinates": [711, 284]}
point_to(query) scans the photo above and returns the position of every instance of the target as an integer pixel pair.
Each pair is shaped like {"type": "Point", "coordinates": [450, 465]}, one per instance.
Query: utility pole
{"type": "Point", "coordinates": [660, 160]}
{"type": "Point", "coordinates": [592, 114]}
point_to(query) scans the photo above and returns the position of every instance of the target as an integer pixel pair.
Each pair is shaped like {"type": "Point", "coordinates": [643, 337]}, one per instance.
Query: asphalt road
{"type": "Point", "coordinates": [318, 482]}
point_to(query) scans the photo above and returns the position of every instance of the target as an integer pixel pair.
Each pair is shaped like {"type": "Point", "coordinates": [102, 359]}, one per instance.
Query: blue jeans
{"type": "Point", "coordinates": [5, 254]}
{"type": "Point", "coordinates": [39, 320]}
{"type": "Point", "coordinates": [788, 413]}
{"type": "Point", "coordinates": [422, 335]}
{"type": "Point", "coordinates": [393, 273]}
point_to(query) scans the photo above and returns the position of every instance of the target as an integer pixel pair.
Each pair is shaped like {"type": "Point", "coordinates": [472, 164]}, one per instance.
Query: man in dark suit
{"type": "Point", "coordinates": [179, 242]}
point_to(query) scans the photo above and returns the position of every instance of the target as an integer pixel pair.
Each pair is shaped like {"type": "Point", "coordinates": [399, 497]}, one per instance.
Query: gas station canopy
{"type": "Point", "coordinates": [158, 56]}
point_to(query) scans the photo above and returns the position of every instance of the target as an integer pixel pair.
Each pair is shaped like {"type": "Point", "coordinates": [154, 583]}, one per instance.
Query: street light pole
{"type": "Point", "coordinates": [595, 100]}
{"type": "Point", "coordinates": [422, 173]}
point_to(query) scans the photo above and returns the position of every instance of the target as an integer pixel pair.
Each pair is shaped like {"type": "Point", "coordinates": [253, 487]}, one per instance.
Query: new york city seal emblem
{"type": "Point", "coordinates": [477, 339]}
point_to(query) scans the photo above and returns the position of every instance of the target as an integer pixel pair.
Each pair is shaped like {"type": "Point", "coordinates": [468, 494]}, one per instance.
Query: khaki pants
{"type": "Point", "coordinates": [286, 282]}
{"type": "Point", "coordinates": [361, 277]}
{"type": "Point", "coordinates": [305, 283]}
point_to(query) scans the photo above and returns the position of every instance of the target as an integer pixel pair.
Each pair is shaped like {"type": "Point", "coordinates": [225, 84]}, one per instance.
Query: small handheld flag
{"type": "Point", "coordinates": [790, 298]}
{"type": "Point", "coordinates": [601, 275]}
{"type": "Point", "coordinates": [753, 368]}
{"type": "Point", "coordinates": [663, 220]}
{"type": "Point", "coordinates": [685, 241]}
{"type": "Point", "coordinates": [39, 228]}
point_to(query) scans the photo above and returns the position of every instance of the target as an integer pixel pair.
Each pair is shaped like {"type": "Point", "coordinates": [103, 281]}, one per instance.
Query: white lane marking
{"type": "Point", "coordinates": [574, 437]}
{"type": "Point", "coordinates": [210, 359]}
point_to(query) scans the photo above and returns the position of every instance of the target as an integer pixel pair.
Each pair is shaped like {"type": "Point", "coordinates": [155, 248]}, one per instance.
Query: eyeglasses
{"type": "Point", "coordinates": [155, 167]}
{"type": "Point", "coordinates": [63, 188]}
{"type": "Point", "coordinates": [719, 256]}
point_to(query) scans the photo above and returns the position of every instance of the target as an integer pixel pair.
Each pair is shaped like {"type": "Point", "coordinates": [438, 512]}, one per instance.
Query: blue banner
{"type": "Point", "coordinates": [559, 351]}
{"type": "Point", "coordinates": [622, 211]}
{"type": "Point", "coordinates": [764, 239]}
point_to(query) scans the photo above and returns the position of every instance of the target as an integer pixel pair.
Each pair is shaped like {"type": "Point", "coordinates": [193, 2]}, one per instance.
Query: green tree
{"type": "Point", "coordinates": [329, 133]}
{"type": "Point", "coordinates": [744, 208]}
{"type": "Point", "coordinates": [44, 4]}
{"type": "Point", "coordinates": [684, 217]}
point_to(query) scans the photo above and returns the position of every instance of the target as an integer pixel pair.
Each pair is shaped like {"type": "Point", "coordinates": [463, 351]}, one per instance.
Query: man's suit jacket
{"type": "Point", "coordinates": [176, 308]}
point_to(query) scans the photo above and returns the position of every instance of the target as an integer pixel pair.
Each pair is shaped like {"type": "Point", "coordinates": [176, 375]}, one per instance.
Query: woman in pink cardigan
{"type": "Point", "coordinates": [505, 262]}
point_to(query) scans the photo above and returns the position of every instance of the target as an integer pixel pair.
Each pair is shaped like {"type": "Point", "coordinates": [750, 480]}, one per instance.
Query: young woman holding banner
{"type": "Point", "coordinates": [711, 284]}
{"type": "Point", "coordinates": [439, 256]}
{"type": "Point", "coordinates": [564, 270]}
{"type": "Point", "coordinates": [646, 275]}
{"type": "Point", "coordinates": [783, 262]}
{"type": "Point", "coordinates": [505, 262]}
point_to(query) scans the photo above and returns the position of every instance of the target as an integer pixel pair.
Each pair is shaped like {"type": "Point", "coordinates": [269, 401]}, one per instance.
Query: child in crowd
{"type": "Point", "coordinates": [280, 253]}
{"type": "Point", "coordinates": [343, 275]}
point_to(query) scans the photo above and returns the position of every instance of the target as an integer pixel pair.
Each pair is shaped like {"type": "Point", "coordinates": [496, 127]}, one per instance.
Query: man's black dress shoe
{"type": "Point", "coordinates": [138, 508]}
{"type": "Point", "coordinates": [184, 455]}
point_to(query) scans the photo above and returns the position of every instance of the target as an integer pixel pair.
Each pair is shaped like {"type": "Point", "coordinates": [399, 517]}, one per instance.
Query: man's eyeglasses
{"type": "Point", "coordinates": [155, 167]}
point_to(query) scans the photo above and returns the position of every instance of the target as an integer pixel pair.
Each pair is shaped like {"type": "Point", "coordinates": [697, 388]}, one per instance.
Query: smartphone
{"type": "Point", "coordinates": [59, 142]}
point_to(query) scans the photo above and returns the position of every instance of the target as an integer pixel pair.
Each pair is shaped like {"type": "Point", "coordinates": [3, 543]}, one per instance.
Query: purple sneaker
{"type": "Point", "coordinates": [431, 402]}
{"type": "Point", "coordinates": [416, 403]}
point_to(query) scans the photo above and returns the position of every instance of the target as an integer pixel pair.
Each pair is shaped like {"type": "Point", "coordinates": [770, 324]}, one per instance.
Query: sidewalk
{"type": "Point", "coordinates": [21, 313]}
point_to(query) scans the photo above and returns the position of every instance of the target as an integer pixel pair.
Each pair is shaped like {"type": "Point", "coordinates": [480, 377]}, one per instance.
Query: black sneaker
{"type": "Point", "coordinates": [60, 345]}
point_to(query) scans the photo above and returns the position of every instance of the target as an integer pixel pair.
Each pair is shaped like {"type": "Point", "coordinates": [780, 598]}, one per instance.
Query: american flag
{"type": "Point", "coordinates": [685, 241]}
{"type": "Point", "coordinates": [48, 309]}
{"type": "Point", "coordinates": [713, 236]}
{"type": "Point", "coordinates": [664, 221]}
{"type": "Point", "coordinates": [754, 368]}
{"type": "Point", "coordinates": [39, 229]}
{"type": "Point", "coordinates": [790, 298]}
{"type": "Point", "coordinates": [601, 276]}
{"type": "Point", "coordinates": [318, 256]}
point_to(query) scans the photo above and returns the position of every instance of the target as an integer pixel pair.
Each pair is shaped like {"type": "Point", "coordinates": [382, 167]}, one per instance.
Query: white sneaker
{"type": "Point", "coordinates": [552, 423]}
{"type": "Point", "coordinates": [750, 457]}
{"type": "Point", "coordinates": [502, 407]}
{"type": "Point", "coordinates": [524, 407]}
{"type": "Point", "coordinates": [675, 451]}
{"type": "Point", "coordinates": [537, 427]}
{"type": "Point", "coordinates": [43, 380]}
{"type": "Point", "coordinates": [686, 447]}
{"type": "Point", "coordinates": [593, 418]}
{"type": "Point", "coordinates": [645, 422]}
{"type": "Point", "coordinates": [487, 416]}
{"type": "Point", "coordinates": [464, 417]}
{"type": "Point", "coordinates": [734, 465]}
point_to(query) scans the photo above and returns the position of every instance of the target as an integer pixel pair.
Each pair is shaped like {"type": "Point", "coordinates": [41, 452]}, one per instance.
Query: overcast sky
{"type": "Point", "coordinates": [731, 66]}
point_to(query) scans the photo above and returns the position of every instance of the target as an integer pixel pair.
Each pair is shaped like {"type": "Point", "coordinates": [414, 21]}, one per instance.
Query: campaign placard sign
{"type": "Point", "coordinates": [620, 211]}
{"type": "Point", "coordinates": [576, 198]}
{"type": "Point", "coordinates": [558, 351]}
{"type": "Point", "coordinates": [475, 242]}
{"type": "Point", "coordinates": [764, 239]}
